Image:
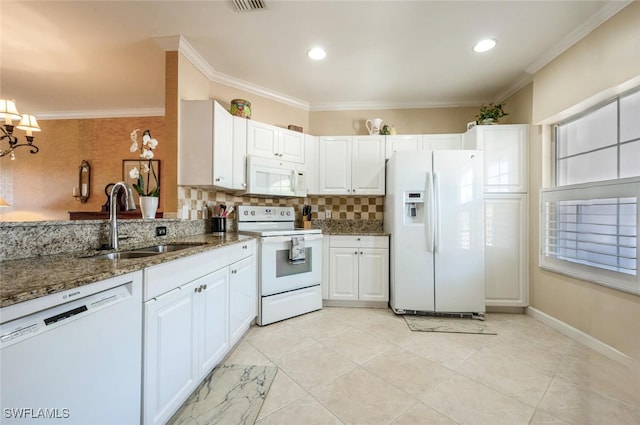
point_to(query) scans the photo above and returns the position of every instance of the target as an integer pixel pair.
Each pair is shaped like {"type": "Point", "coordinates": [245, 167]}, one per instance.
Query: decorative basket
{"type": "Point", "coordinates": [241, 108]}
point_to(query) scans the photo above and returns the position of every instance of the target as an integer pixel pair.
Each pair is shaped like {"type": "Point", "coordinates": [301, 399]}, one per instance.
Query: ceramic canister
{"type": "Point", "coordinates": [241, 108]}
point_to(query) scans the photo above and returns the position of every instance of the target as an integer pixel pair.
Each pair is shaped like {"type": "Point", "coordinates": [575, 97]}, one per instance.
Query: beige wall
{"type": "Point", "coordinates": [606, 58]}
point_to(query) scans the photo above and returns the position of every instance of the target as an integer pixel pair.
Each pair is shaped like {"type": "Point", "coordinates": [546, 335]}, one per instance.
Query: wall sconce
{"type": "Point", "coordinates": [28, 123]}
{"type": "Point", "coordinates": [83, 191]}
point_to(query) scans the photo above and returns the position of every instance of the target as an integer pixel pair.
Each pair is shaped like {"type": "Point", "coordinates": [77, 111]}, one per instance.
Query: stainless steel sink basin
{"type": "Point", "coordinates": [145, 252]}
{"type": "Point", "coordinates": [122, 255]}
{"type": "Point", "coordinates": [158, 249]}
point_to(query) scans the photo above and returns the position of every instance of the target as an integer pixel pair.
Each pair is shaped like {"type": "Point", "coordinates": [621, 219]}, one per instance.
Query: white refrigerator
{"type": "Point", "coordinates": [434, 213]}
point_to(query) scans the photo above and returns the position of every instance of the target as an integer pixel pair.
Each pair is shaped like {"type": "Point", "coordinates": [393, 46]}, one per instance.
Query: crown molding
{"type": "Point", "coordinates": [594, 21]}
{"type": "Point", "coordinates": [101, 113]}
{"type": "Point", "coordinates": [370, 106]}
{"type": "Point", "coordinates": [513, 88]}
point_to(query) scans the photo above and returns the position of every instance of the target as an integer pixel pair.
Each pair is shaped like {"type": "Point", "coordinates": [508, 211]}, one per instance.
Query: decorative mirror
{"type": "Point", "coordinates": [83, 190]}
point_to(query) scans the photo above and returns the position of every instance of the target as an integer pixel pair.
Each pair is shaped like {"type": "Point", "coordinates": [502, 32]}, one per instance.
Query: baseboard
{"type": "Point", "coordinates": [345, 303]}
{"type": "Point", "coordinates": [581, 337]}
{"type": "Point", "coordinates": [503, 309]}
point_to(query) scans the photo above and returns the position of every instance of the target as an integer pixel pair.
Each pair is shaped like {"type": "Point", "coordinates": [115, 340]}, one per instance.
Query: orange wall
{"type": "Point", "coordinates": [40, 186]}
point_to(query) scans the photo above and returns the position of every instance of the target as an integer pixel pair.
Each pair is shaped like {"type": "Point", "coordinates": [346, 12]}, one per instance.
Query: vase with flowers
{"type": "Point", "coordinates": [148, 189]}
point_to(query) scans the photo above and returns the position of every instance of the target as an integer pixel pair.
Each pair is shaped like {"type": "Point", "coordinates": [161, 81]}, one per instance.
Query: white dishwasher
{"type": "Point", "coordinates": [74, 357]}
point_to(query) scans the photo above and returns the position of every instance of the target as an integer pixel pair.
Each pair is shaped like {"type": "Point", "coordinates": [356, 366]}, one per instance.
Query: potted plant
{"type": "Point", "coordinates": [147, 192]}
{"type": "Point", "coordinates": [490, 114]}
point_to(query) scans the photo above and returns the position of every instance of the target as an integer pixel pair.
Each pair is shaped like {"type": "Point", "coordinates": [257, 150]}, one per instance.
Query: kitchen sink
{"type": "Point", "coordinates": [148, 251]}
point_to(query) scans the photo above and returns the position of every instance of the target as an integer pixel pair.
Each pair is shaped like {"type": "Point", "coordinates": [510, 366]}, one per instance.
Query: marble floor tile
{"type": "Point", "coordinates": [360, 397]}
{"type": "Point", "coordinates": [315, 365]}
{"type": "Point", "coordinates": [246, 354]}
{"type": "Point", "coordinates": [283, 391]}
{"type": "Point", "coordinates": [440, 348]}
{"type": "Point", "coordinates": [407, 371]}
{"type": "Point", "coordinates": [320, 325]}
{"type": "Point", "coordinates": [469, 402]}
{"type": "Point", "coordinates": [357, 345]}
{"type": "Point", "coordinates": [304, 411]}
{"type": "Point", "coordinates": [278, 339]}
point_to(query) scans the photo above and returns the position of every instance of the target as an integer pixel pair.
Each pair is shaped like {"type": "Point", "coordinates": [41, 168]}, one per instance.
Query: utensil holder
{"type": "Point", "coordinates": [218, 225]}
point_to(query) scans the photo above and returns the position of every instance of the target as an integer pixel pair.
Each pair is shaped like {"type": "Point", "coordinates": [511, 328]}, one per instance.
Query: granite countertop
{"type": "Point", "coordinates": [29, 278]}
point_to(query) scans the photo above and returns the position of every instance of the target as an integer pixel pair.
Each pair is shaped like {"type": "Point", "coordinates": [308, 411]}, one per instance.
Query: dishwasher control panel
{"type": "Point", "coordinates": [26, 327]}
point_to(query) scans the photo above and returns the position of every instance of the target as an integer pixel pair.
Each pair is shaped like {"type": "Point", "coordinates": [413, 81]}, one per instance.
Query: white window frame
{"type": "Point", "coordinates": [620, 188]}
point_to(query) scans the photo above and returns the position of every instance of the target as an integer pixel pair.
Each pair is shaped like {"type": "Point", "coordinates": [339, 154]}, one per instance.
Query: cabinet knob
{"type": "Point", "coordinates": [356, 252]}
{"type": "Point", "coordinates": [204, 286]}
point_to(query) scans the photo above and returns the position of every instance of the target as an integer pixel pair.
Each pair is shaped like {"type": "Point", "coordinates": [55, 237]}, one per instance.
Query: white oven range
{"type": "Point", "coordinates": [287, 287]}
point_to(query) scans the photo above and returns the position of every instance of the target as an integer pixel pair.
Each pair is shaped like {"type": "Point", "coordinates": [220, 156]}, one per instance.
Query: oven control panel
{"type": "Point", "coordinates": [265, 213]}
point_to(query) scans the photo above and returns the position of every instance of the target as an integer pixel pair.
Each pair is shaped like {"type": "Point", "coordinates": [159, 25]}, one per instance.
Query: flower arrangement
{"type": "Point", "coordinates": [490, 113]}
{"type": "Point", "coordinates": [146, 153]}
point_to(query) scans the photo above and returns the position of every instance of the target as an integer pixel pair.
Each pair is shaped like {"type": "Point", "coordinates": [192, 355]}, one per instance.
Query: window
{"type": "Point", "coordinates": [589, 221]}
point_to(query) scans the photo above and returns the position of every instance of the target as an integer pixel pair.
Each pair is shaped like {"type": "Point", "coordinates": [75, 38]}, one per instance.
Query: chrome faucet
{"type": "Point", "coordinates": [130, 204]}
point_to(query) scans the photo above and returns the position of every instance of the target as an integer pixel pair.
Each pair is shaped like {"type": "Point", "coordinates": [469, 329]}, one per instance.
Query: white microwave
{"type": "Point", "coordinates": [273, 177]}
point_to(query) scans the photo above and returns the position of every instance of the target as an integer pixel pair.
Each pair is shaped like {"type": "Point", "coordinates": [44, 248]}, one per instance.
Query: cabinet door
{"type": "Point", "coordinates": [441, 141]}
{"type": "Point", "coordinates": [405, 142]}
{"type": "Point", "coordinates": [212, 319]}
{"type": "Point", "coordinates": [373, 268]}
{"type": "Point", "coordinates": [243, 293]}
{"type": "Point", "coordinates": [505, 157]}
{"type": "Point", "coordinates": [343, 279]}
{"type": "Point", "coordinates": [326, 240]}
{"type": "Point", "coordinates": [222, 146]}
{"type": "Point", "coordinates": [505, 252]}
{"type": "Point", "coordinates": [262, 139]}
{"type": "Point", "coordinates": [239, 168]}
{"type": "Point", "coordinates": [170, 370]}
{"type": "Point", "coordinates": [335, 165]}
{"type": "Point", "coordinates": [291, 146]}
{"type": "Point", "coordinates": [311, 161]}
{"type": "Point", "coordinates": [367, 162]}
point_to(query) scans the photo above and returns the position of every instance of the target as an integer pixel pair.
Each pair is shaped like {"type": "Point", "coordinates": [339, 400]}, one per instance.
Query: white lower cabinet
{"type": "Point", "coordinates": [195, 309]}
{"type": "Point", "coordinates": [358, 269]}
{"type": "Point", "coordinates": [506, 258]}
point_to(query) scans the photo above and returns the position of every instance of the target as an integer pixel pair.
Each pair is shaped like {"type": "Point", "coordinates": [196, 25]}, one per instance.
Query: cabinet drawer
{"type": "Point", "coordinates": [347, 241]}
{"type": "Point", "coordinates": [242, 250]}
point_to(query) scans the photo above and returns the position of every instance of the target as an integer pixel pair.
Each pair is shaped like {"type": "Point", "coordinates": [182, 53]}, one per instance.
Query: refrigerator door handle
{"type": "Point", "coordinates": [436, 215]}
{"type": "Point", "coordinates": [428, 217]}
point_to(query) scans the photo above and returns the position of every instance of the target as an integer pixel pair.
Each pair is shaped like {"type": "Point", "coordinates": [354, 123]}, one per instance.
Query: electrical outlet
{"type": "Point", "coordinates": [327, 214]}
{"type": "Point", "coordinates": [161, 231]}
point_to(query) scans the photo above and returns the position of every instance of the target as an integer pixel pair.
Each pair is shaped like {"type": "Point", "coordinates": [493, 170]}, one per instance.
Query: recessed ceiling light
{"type": "Point", "coordinates": [484, 45]}
{"type": "Point", "coordinates": [317, 53]}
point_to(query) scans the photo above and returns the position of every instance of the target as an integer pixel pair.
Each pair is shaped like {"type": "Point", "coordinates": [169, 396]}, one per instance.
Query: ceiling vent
{"type": "Point", "coordinates": [247, 5]}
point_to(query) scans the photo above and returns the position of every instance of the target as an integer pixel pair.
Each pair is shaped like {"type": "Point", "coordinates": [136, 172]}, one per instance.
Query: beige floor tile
{"type": "Point", "coordinates": [525, 352]}
{"type": "Point", "coordinates": [246, 354]}
{"type": "Point", "coordinates": [321, 324]}
{"type": "Point", "coordinates": [438, 347]}
{"type": "Point", "coordinates": [580, 405]}
{"type": "Point", "coordinates": [359, 397]}
{"type": "Point", "coordinates": [468, 402]}
{"type": "Point", "coordinates": [407, 371]}
{"type": "Point", "coordinates": [283, 391]}
{"type": "Point", "coordinates": [541, 418]}
{"type": "Point", "coordinates": [304, 411]}
{"type": "Point", "coordinates": [278, 340]}
{"type": "Point", "coordinates": [419, 414]}
{"type": "Point", "coordinates": [315, 365]}
{"type": "Point", "coordinates": [358, 346]}
{"type": "Point", "coordinates": [508, 375]}
{"type": "Point", "coordinates": [390, 327]}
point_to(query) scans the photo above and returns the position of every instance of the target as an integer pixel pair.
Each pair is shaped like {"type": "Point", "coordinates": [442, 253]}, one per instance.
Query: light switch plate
{"type": "Point", "coordinates": [327, 214]}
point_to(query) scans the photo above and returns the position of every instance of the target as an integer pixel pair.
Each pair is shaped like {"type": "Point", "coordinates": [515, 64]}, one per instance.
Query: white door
{"type": "Point", "coordinates": [459, 234]}
{"type": "Point", "coordinates": [335, 165]}
{"type": "Point", "coordinates": [239, 167]}
{"type": "Point", "coordinates": [412, 283]}
{"type": "Point", "coordinates": [311, 152]}
{"type": "Point", "coordinates": [262, 140]}
{"type": "Point", "coordinates": [222, 146]}
{"type": "Point", "coordinates": [343, 281]}
{"type": "Point", "coordinates": [242, 297]}
{"type": "Point", "coordinates": [169, 356]}
{"type": "Point", "coordinates": [442, 141]}
{"type": "Point", "coordinates": [505, 157]}
{"type": "Point", "coordinates": [212, 319]}
{"type": "Point", "coordinates": [291, 146]}
{"type": "Point", "coordinates": [367, 162]}
{"type": "Point", "coordinates": [505, 250]}
{"type": "Point", "coordinates": [373, 269]}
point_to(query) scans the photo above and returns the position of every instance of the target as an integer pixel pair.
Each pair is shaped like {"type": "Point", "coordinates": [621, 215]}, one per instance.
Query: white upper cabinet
{"type": "Point", "coordinates": [311, 152]}
{"type": "Point", "coordinates": [404, 142]}
{"type": "Point", "coordinates": [239, 168]}
{"type": "Point", "coordinates": [436, 142]}
{"type": "Point", "coordinates": [506, 148]}
{"type": "Point", "coordinates": [205, 147]}
{"type": "Point", "coordinates": [269, 141]}
{"type": "Point", "coordinates": [351, 165]}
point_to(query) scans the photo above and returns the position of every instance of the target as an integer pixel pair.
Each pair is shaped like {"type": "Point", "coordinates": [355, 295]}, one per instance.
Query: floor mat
{"type": "Point", "coordinates": [231, 394]}
{"type": "Point", "coordinates": [447, 324]}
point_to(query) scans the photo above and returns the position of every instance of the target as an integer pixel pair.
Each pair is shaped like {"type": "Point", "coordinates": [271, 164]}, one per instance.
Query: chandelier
{"type": "Point", "coordinates": [27, 122]}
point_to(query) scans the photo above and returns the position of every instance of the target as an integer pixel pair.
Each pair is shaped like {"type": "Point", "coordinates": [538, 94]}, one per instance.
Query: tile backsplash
{"type": "Point", "coordinates": [341, 207]}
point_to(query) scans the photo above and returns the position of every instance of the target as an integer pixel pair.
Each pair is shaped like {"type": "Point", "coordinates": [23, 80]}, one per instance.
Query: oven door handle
{"type": "Point", "coordinates": [280, 239]}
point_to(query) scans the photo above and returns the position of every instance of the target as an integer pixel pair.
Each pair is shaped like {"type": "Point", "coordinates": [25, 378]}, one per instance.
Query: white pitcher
{"type": "Point", "coordinates": [373, 125]}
